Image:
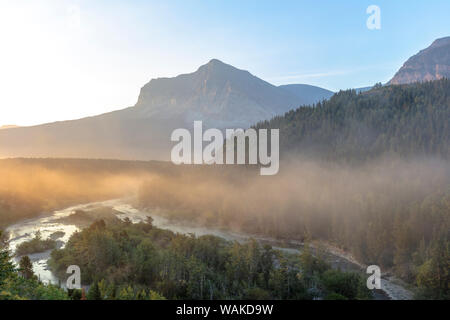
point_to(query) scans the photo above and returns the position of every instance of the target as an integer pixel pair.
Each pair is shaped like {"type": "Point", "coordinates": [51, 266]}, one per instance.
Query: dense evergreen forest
{"type": "Point", "coordinates": [138, 261]}
{"type": "Point", "coordinates": [405, 120]}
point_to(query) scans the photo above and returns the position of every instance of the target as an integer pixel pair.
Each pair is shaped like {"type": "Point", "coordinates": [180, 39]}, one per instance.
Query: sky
{"type": "Point", "coordinates": [67, 59]}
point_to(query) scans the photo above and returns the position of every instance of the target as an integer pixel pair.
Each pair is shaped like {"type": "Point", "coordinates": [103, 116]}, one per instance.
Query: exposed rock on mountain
{"type": "Point", "coordinates": [432, 63]}
{"type": "Point", "coordinates": [217, 93]}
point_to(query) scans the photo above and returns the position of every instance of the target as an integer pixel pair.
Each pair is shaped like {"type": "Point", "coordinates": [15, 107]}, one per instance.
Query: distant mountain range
{"type": "Point", "coordinates": [432, 63]}
{"type": "Point", "coordinates": [217, 93]}
{"type": "Point", "coordinates": [307, 93]}
{"type": "Point", "coordinates": [8, 126]}
{"type": "Point", "coordinates": [362, 89]}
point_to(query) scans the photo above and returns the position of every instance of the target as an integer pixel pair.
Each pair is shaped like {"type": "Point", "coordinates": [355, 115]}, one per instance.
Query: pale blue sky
{"type": "Point", "coordinates": [64, 59]}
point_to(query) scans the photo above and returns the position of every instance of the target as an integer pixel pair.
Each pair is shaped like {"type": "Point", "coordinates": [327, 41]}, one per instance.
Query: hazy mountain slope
{"type": "Point", "coordinates": [118, 134]}
{"type": "Point", "coordinates": [219, 94]}
{"type": "Point", "coordinates": [8, 126]}
{"type": "Point", "coordinates": [309, 94]}
{"type": "Point", "coordinates": [362, 89]}
{"type": "Point", "coordinates": [431, 63]}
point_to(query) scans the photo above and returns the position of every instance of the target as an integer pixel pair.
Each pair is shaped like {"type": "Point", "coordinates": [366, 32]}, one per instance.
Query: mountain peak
{"type": "Point", "coordinates": [217, 66]}
{"type": "Point", "coordinates": [432, 63]}
{"type": "Point", "coordinates": [440, 42]}
{"type": "Point", "coordinates": [8, 126]}
{"type": "Point", "coordinates": [215, 62]}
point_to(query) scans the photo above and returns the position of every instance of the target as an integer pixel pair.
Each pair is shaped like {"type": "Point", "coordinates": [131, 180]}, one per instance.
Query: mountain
{"type": "Point", "coordinates": [363, 89]}
{"type": "Point", "coordinates": [217, 93]}
{"type": "Point", "coordinates": [8, 126]}
{"type": "Point", "coordinates": [406, 120]}
{"type": "Point", "coordinates": [307, 93]}
{"type": "Point", "coordinates": [431, 63]}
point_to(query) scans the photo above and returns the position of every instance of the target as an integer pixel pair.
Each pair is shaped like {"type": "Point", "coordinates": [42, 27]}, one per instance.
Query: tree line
{"type": "Point", "coordinates": [404, 120]}
{"type": "Point", "coordinates": [121, 260]}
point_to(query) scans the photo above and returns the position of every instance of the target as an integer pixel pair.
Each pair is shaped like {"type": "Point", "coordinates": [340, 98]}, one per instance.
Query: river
{"type": "Point", "coordinates": [49, 224]}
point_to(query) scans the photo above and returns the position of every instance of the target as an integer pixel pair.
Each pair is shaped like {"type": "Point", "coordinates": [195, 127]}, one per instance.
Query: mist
{"type": "Point", "coordinates": [375, 209]}
{"type": "Point", "coordinates": [353, 206]}
{"type": "Point", "coordinates": [29, 187]}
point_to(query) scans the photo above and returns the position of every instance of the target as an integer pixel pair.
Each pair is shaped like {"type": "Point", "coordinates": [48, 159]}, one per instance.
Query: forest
{"type": "Point", "coordinates": [121, 260]}
{"type": "Point", "coordinates": [402, 120]}
{"type": "Point", "coordinates": [20, 283]}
